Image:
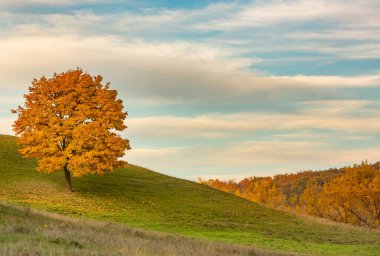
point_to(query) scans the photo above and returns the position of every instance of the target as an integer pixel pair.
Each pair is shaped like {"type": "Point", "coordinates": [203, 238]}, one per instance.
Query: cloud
{"type": "Point", "coordinates": [267, 13]}
{"type": "Point", "coordinates": [7, 99]}
{"type": "Point", "coordinates": [249, 158]}
{"type": "Point", "coordinates": [175, 72]}
{"type": "Point", "coordinates": [26, 3]}
{"type": "Point", "coordinates": [6, 125]}
{"type": "Point", "coordinates": [335, 29]}
{"type": "Point", "coordinates": [289, 156]}
{"type": "Point", "coordinates": [345, 118]}
{"type": "Point", "coordinates": [335, 116]}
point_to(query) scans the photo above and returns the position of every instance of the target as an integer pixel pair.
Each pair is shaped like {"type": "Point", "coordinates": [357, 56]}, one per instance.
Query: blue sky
{"type": "Point", "coordinates": [223, 89]}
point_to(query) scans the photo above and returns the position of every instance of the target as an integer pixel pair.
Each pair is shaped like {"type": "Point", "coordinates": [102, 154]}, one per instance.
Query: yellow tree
{"type": "Point", "coordinates": [351, 197]}
{"type": "Point", "coordinates": [311, 198]}
{"type": "Point", "coordinates": [364, 183]}
{"type": "Point", "coordinates": [262, 190]}
{"type": "Point", "coordinates": [69, 122]}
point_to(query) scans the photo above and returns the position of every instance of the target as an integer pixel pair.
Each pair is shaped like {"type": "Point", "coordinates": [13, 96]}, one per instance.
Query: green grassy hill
{"type": "Point", "coordinates": [141, 198]}
{"type": "Point", "coordinates": [25, 231]}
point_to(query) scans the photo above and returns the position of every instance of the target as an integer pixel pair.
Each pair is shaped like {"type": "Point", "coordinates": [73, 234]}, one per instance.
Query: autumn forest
{"type": "Point", "coordinates": [348, 195]}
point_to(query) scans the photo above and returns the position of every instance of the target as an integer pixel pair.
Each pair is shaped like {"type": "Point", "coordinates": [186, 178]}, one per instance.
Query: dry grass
{"type": "Point", "coordinates": [324, 221]}
{"type": "Point", "coordinates": [24, 231]}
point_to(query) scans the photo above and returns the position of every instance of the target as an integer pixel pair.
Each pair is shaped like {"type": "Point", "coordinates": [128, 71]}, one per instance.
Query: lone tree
{"type": "Point", "coordinates": [69, 122]}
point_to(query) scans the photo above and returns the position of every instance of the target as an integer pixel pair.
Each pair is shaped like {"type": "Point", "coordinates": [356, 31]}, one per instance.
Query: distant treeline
{"type": "Point", "coordinates": [348, 195]}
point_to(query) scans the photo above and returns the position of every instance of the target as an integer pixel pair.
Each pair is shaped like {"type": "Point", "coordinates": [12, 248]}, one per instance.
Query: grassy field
{"type": "Point", "coordinates": [24, 231]}
{"type": "Point", "coordinates": [144, 199]}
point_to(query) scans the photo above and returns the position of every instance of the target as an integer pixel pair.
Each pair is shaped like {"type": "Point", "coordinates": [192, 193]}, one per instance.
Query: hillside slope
{"type": "Point", "coordinates": [141, 198]}
{"type": "Point", "coordinates": [24, 231]}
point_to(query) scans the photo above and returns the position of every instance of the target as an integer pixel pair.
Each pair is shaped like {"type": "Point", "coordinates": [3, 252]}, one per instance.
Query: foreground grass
{"type": "Point", "coordinates": [29, 232]}
{"type": "Point", "coordinates": [141, 198]}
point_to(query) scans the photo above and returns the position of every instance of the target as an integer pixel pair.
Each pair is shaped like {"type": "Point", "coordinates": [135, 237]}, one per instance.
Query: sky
{"type": "Point", "coordinates": [214, 89]}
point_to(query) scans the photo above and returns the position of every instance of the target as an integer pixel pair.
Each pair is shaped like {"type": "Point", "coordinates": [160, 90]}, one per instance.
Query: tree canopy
{"type": "Point", "coordinates": [349, 195]}
{"type": "Point", "coordinates": [69, 122]}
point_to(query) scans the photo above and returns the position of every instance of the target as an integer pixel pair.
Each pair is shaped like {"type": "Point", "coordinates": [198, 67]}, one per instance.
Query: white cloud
{"type": "Point", "coordinates": [175, 72]}
{"type": "Point", "coordinates": [332, 117]}
{"type": "Point", "coordinates": [322, 81]}
{"type": "Point", "coordinates": [266, 13]}
{"type": "Point", "coordinates": [14, 99]}
{"type": "Point", "coordinates": [289, 156]}
{"type": "Point", "coordinates": [250, 158]}
{"type": "Point", "coordinates": [26, 3]}
{"type": "Point", "coordinates": [355, 22]}
{"type": "Point", "coordinates": [6, 125]}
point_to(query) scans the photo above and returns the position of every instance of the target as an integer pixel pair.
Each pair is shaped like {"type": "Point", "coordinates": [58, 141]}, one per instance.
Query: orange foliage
{"type": "Point", "coordinates": [354, 197]}
{"type": "Point", "coordinates": [310, 199]}
{"type": "Point", "coordinates": [226, 186]}
{"type": "Point", "coordinates": [69, 122]}
{"type": "Point", "coordinates": [349, 195]}
{"type": "Point", "coordinates": [259, 190]}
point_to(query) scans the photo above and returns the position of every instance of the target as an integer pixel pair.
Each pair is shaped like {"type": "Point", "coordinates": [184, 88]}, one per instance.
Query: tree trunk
{"type": "Point", "coordinates": [68, 179]}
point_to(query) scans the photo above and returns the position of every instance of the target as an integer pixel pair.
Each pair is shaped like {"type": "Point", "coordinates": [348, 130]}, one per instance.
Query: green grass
{"type": "Point", "coordinates": [25, 231]}
{"type": "Point", "coordinates": [145, 199]}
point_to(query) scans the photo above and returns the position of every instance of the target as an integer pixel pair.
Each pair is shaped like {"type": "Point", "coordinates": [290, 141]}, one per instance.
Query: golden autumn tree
{"type": "Point", "coordinates": [69, 122]}
{"type": "Point", "coordinates": [311, 200]}
{"type": "Point", "coordinates": [261, 190]}
{"type": "Point", "coordinates": [354, 197]}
